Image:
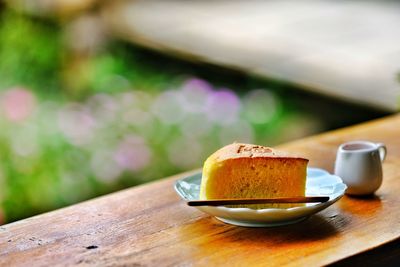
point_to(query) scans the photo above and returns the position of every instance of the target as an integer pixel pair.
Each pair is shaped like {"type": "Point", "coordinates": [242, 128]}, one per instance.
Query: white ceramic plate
{"type": "Point", "coordinates": [319, 183]}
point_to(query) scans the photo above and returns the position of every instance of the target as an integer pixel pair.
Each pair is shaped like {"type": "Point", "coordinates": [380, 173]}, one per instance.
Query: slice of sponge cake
{"type": "Point", "coordinates": [252, 171]}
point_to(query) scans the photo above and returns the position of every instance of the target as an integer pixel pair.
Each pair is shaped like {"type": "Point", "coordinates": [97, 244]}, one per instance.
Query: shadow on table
{"type": "Point", "coordinates": [208, 238]}
{"type": "Point", "coordinates": [315, 228]}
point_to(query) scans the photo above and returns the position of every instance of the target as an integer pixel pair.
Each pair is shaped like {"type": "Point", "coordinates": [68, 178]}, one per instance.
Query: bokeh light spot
{"type": "Point", "coordinates": [240, 131]}
{"type": "Point", "coordinates": [260, 106]}
{"type": "Point", "coordinates": [18, 104]}
{"type": "Point", "coordinates": [76, 123]}
{"type": "Point", "coordinates": [104, 167]}
{"type": "Point", "coordinates": [184, 152]}
{"type": "Point", "coordinates": [132, 153]}
{"type": "Point", "coordinates": [168, 107]}
{"type": "Point", "coordinates": [223, 106]}
{"type": "Point", "coordinates": [195, 93]}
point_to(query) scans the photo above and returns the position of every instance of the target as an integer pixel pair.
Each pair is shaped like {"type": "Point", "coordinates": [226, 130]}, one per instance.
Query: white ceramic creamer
{"type": "Point", "coordinates": [359, 164]}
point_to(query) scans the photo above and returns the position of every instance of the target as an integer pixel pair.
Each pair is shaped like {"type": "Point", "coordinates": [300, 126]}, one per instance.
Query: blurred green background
{"type": "Point", "coordinates": [83, 114]}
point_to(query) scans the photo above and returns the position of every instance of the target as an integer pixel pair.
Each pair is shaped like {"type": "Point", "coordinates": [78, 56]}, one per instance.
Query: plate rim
{"type": "Point", "coordinates": [323, 205]}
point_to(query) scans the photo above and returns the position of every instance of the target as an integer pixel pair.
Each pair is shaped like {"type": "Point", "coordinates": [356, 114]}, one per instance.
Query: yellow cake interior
{"type": "Point", "coordinates": [251, 171]}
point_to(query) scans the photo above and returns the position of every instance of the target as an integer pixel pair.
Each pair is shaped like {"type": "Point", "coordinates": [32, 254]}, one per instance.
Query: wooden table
{"type": "Point", "coordinates": [149, 225]}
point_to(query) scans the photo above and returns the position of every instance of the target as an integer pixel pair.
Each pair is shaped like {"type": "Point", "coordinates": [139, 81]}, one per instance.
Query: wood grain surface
{"type": "Point", "coordinates": [149, 225]}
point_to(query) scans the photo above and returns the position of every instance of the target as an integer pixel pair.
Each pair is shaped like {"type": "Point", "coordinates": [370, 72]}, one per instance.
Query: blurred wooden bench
{"type": "Point", "coordinates": [344, 49]}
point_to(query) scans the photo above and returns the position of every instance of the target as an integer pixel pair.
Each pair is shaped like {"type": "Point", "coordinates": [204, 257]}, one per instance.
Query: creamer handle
{"type": "Point", "coordinates": [382, 151]}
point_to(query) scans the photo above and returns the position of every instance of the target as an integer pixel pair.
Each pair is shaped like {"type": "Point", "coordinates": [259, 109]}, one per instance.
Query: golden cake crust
{"type": "Point", "coordinates": [240, 150]}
